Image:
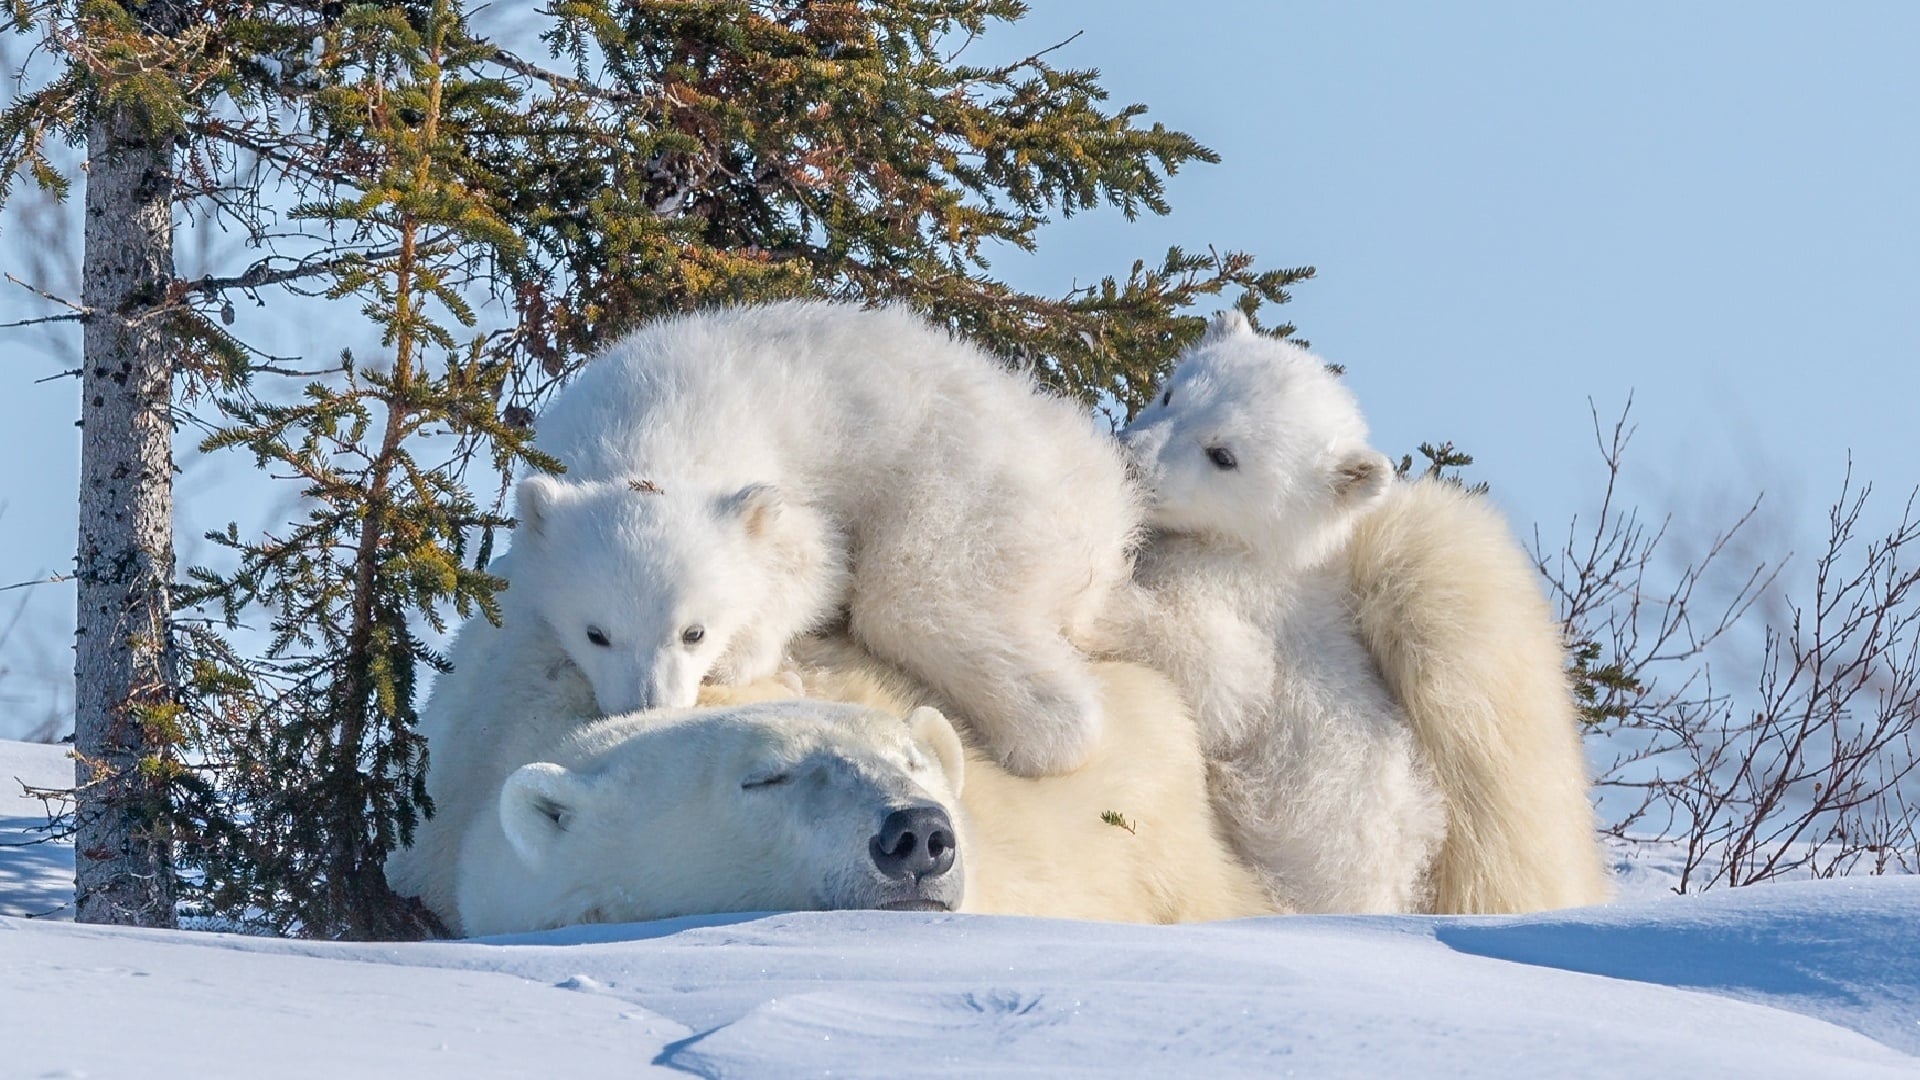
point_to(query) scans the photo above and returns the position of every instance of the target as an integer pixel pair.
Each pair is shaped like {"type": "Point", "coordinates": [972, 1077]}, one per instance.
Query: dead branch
{"type": "Point", "coordinates": [1808, 766]}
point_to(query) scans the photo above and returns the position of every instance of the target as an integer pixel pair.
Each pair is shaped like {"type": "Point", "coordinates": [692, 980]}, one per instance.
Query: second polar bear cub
{"type": "Point", "coordinates": [1257, 464]}
{"type": "Point", "coordinates": [1380, 684]}
{"type": "Point", "coordinates": [739, 476]}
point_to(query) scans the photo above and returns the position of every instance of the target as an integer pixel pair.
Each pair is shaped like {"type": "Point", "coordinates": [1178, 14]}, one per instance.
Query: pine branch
{"type": "Point", "coordinates": [260, 274]}
{"type": "Point", "coordinates": [567, 83]}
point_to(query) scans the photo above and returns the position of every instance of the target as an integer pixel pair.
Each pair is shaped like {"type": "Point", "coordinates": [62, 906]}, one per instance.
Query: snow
{"type": "Point", "coordinates": [36, 878]}
{"type": "Point", "coordinates": [1808, 978]}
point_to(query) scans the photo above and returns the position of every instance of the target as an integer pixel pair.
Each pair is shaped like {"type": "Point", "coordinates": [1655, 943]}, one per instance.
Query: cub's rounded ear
{"type": "Point", "coordinates": [1229, 323]}
{"type": "Point", "coordinates": [757, 506]}
{"type": "Point", "coordinates": [929, 726]}
{"type": "Point", "coordinates": [1361, 477]}
{"type": "Point", "coordinates": [538, 803]}
{"type": "Point", "coordinates": [534, 500]}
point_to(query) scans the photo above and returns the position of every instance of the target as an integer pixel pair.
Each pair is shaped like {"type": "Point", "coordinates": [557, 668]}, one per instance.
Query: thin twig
{"type": "Point", "coordinates": [45, 295]}
{"type": "Point", "coordinates": [42, 319]}
{"type": "Point", "coordinates": [39, 581]}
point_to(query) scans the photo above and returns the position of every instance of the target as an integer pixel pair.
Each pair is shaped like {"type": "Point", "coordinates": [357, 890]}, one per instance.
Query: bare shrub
{"type": "Point", "coordinates": [1799, 758]}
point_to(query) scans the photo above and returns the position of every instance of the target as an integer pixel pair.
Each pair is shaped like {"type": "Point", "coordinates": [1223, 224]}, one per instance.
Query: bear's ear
{"type": "Point", "coordinates": [930, 727]}
{"type": "Point", "coordinates": [538, 803]}
{"type": "Point", "coordinates": [534, 500]}
{"type": "Point", "coordinates": [1229, 323]}
{"type": "Point", "coordinates": [756, 505]}
{"type": "Point", "coordinates": [1360, 477]}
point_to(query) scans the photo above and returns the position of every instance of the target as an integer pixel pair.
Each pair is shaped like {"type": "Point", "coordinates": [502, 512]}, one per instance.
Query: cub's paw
{"type": "Point", "coordinates": [1057, 737]}
{"type": "Point", "coordinates": [776, 687]}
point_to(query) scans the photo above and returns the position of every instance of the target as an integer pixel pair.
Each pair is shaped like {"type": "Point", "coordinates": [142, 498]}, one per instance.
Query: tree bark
{"type": "Point", "coordinates": [125, 696]}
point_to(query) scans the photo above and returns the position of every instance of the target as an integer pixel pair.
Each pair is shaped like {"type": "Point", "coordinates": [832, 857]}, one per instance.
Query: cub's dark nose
{"type": "Point", "coordinates": [916, 842]}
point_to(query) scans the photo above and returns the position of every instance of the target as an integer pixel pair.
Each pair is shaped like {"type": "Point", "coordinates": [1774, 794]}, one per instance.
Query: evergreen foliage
{"type": "Point", "coordinates": [497, 217]}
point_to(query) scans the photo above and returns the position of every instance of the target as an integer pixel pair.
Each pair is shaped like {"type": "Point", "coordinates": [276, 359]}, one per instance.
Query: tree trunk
{"type": "Point", "coordinates": [125, 698]}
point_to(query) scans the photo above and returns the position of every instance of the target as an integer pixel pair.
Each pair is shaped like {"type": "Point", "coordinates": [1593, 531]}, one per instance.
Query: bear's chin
{"type": "Point", "coordinates": [914, 905]}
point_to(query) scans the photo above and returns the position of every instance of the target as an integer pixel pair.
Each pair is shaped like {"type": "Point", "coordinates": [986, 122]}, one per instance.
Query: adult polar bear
{"type": "Point", "coordinates": [770, 807]}
{"type": "Point", "coordinates": [1379, 683]}
{"type": "Point", "coordinates": [546, 818]}
{"type": "Point", "coordinates": [1052, 845]}
{"type": "Point", "coordinates": [740, 476]}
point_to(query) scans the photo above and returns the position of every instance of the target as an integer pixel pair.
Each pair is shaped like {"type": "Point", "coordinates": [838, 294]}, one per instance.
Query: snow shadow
{"type": "Point", "coordinates": [610, 933]}
{"type": "Point", "coordinates": [36, 875]}
{"type": "Point", "coordinates": [1844, 954]}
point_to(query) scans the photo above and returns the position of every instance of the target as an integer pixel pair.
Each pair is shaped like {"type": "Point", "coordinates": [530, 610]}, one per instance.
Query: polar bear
{"type": "Point", "coordinates": [1313, 764]}
{"type": "Point", "coordinates": [857, 796]}
{"type": "Point", "coordinates": [1130, 836]}
{"type": "Point", "coordinates": [739, 476]}
{"type": "Point", "coordinates": [511, 692]}
{"type": "Point", "coordinates": [1451, 610]}
{"type": "Point", "coordinates": [776, 806]}
{"type": "Point", "coordinates": [1379, 683]}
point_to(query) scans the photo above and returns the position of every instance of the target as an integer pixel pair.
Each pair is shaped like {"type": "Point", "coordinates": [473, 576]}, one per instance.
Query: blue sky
{"type": "Point", "coordinates": [1514, 207]}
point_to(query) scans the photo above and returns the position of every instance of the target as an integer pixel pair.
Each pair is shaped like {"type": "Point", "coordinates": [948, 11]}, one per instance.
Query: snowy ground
{"type": "Point", "coordinates": [1807, 979]}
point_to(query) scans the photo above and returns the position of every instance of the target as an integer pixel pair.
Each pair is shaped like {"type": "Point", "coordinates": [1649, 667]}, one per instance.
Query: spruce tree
{"type": "Point", "coordinates": [497, 211]}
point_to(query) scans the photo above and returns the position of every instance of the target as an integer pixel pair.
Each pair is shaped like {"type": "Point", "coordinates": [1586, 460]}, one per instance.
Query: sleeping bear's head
{"type": "Point", "coordinates": [778, 806]}
{"type": "Point", "coordinates": [651, 587]}
{"type": "Point", "coordinates": [1252, 441]}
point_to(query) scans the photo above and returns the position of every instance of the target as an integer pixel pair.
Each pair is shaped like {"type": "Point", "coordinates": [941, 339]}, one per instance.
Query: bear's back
{"type": "Point", "coordinates": [838, 400]}
{"type": "Point", "coordinates": [1451, 607]}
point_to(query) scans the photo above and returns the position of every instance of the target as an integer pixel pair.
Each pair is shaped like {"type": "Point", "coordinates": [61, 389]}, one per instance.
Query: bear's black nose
{"type": "Point", "coordinates": [916, 842]}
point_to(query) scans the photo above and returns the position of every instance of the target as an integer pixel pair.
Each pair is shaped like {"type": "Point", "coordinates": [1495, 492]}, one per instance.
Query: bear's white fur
{"type": "Point", "coordinates": [1128, 837]}
{"type": "Point", "coordinates": [767, 807]}
{"type": "Point", "coordinates": [1379, 686]}
{"type": "Point", "coordinates": [1313, 765]}
{"type": "Point", "coordinates": [1028, 846]}
{"type": "Point", "coordinates": [740, 476]}
{"type": "Point", "coordinates": [512, 692]}
{"type": "Point", "coordinates": [1451, 610]}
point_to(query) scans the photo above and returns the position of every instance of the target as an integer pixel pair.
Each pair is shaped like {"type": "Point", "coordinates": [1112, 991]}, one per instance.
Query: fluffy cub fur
{"type": "Point", "coordinates": [1379, 686]}
{"type": "Point", "coordinates": [740, 476]}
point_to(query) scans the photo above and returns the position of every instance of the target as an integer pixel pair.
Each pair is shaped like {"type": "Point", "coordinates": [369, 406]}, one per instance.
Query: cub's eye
{"type": "Point", "coordinates": [1166, 399]}
{"type": "Point", "coordinates": [598, 636]}
{"type": "Point", "coordinates": [1222, 458]}
{"type": "Point", "coordinates": [693, 635]}
{"type": "Point", "coordinates": [765, 780]}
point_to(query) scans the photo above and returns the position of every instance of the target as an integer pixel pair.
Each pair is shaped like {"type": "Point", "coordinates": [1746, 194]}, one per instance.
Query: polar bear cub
{"type": "Point", "coordinates": [1379, 685]}
{"type": "Point", "coordinates": [779, 806]}
{"type": "Point", "coordinates": [740, 476]}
